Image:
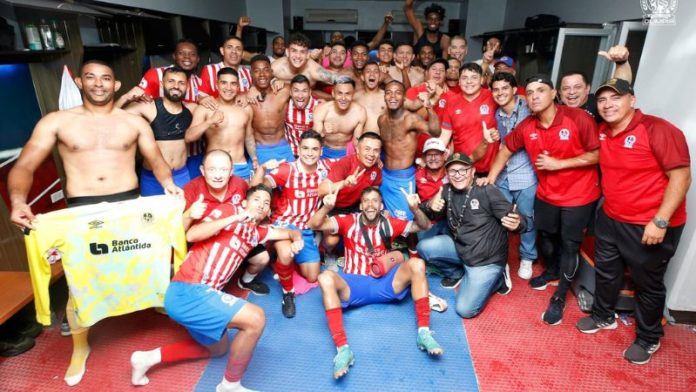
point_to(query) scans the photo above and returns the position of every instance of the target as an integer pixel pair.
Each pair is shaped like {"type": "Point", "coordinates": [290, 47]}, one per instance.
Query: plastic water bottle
{"type": "Point", "coordinates": [57, 36]}
{"type": "Point", "coordinates": [33, 37]}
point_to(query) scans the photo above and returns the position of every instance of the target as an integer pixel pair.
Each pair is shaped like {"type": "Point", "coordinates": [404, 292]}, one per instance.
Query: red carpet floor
{"type": "Point", "coordinates": [513, 350]}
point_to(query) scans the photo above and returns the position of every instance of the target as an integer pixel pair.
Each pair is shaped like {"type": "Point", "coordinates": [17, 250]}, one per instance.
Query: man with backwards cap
{"type": "Point", "coordinates": [563, 145]}
{"type": "Point", "coordinates": [475, 249]}
{"type": "Point", "coordinates": [646, 173]}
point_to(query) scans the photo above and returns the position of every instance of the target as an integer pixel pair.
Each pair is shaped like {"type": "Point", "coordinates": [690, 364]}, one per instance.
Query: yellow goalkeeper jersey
{"type": "Point", "coordinates": [116, 256]}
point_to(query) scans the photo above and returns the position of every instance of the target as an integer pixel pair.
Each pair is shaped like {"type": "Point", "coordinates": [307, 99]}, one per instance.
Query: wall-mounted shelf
{"type": "Point", "coordinates": [28, 56]}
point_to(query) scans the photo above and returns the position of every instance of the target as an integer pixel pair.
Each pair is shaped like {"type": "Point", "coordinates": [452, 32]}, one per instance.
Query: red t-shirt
{"type": "Point", "coordinates": [300, 192]}
{"type": "Point", "coordinates": [426, 185]}
{"type": "Point", "coordinates": [572, 133]}
{"type": "Point", "coordinates": [213, 261]}
{"type": "Point", "coordinates": [358, 256]}
{"type": "Point", "coordinates": [634, 163]}
{"type": "Point", "coordinates": [464, 119]}
{"type": "Point", "coordinates": [209, 79]}
{"type": "Point", "coordinates": [412, 94]}
{"type": "Point", "coordinates": [236, 191]}
{"type": "Point", "coordinates": [151, 83]}
{"type": "Point", "coordinates": [346, 166]}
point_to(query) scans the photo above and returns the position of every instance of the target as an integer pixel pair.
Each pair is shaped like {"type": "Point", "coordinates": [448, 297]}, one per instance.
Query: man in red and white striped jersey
{"type": "Point", "coordinates": [299, 181]}
{"type": "Point", "coordinates": [366, 237]}
{"type": "Point", "coordinates": [194, 298]}
{"type": "Point", "coordinates": [299, 115]}
{"type": "Point", "coordinates": [231, 51]}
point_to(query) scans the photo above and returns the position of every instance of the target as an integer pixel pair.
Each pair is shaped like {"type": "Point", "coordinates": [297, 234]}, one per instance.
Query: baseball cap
{"type": "Point", "coordinates": [459, 157]}
{"type": "Point", "coordinates": [540, 78]}
{"type": "Point", "coordinates": [507, 60]}
{"type": "Point", "coordinates": [622, 87]}
{"type": "Point", "coordinates": [434, 144]}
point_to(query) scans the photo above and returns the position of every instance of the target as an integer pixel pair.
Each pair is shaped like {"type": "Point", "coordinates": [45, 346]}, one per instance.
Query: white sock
{"type": "Point", "coordinates": [423, 329]}
{"type": "Point", "coordinates": [229, 386]}
{"type": "Point", "coordinates": [141, 362]}
{"type": "Point", "coordinates": [248, 277]}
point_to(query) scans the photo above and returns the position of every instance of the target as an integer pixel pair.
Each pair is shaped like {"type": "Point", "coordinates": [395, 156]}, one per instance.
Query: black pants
{"type": "Point", "coordinates": [617, 245]}
{"type": "Point", "coordinates": [561, 231]}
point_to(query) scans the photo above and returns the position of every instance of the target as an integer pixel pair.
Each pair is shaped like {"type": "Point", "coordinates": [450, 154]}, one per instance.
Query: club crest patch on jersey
{"type": "Point", "coordinates": [310, 116]}
{"type": "Point", "coordinates": [564, 134]}
{"type": "Point", "coordinates": [441, 103]}
{"type": "Point", "coordinates": [373, 176]}
{"type": "Point", "coordinates": [147, 218]}
{"type": "Point", "coordinates": [474, 203]}
{"type": "Point", "coordinates": [143, 84]}
{"type": "Point", "coordinates": [629, 141]}
{"type": "Point", "coordinates": [236, 199]}
{"type": "Point", "coordinates": [245, 83]}
{"type": "Point", "coordinates": [484, 110]}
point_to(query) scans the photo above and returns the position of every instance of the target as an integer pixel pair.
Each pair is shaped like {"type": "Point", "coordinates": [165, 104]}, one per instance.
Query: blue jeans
{"type": "Point", "coordinates": [524, 199]}
{"type": "Point", "coordinates": [478, 283]}
{"type": "Point", "coordinates": [436, 229]}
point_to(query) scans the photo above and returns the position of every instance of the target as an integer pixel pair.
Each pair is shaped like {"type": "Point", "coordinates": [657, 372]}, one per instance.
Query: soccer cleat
{"type": "Point", "coordinates": [554, 313]}
{"type": "Point", "coordinates": [427, 343]}
{"type": "Point", "coordinates": [343, 360]}
{"type": "Point", "coordinates": [640, 352]}
{"type": "Point", "coordinates": [255, 286]}
{"type": "Point", "coordinates": [289, 304]}
{"type": "Point", "coordinates": [590, 325]}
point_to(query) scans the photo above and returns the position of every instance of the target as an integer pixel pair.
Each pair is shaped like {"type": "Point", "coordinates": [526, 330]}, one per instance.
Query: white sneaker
{"type": "Point", "coordinates": [525, 271]}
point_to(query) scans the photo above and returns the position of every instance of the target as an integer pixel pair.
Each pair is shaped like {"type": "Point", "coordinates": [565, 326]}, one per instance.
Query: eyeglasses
{"type": "Point", "coordinates": [458, 172]}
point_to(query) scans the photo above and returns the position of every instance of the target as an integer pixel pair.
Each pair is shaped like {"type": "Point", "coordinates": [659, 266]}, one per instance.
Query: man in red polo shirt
{"type": "Point", "coordinates": [645, 176]}
{"type": "Point", "coordinates": [464, 114]}
{"type": "Point", "coordinates": [350, 175]}
{"type": "Point", "coordinates": [563, 146]}
{"type": "Point", "coordinates": [218, 186]}
{"type": "Point", "coordinates": [429, 181]}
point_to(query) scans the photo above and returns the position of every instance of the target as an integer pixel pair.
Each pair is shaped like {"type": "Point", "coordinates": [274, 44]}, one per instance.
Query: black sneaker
{"type": "Point", "coordinates": [540, 282]}
{"type": "Point", "coordinates": [289, 304]}
{"type": "Point", "coordinates": [17, 346]}
{"type": "Point", "coordinates": [255, 286]}
{"type": "Point", "coordinates": [31, 329]}
{"type": "Point", "coordinates": [640, 352]}
{"type": "Point", "coordinates": [554, 313]}
{"type": "Point", "coordinates": [590, 325]}
{"type": "Point", "coordinates": [450, 283]}
{"type": "Point", "coordinates": [506, 286]}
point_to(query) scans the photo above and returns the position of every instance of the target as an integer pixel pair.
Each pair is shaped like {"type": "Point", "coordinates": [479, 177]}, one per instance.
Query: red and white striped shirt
{"type": "Point", "coordinates": [298, 121]}
{"type": "Point", "coordinates": [209, 76]}
{"type": "Point", "coordinates": [152, 84]}
{"type": "Point", "coordinates": [213, 261]}
{"type": "Point", "coordinates": [358, 257]}
{"type": "Point", "coordinates": [300, 194]}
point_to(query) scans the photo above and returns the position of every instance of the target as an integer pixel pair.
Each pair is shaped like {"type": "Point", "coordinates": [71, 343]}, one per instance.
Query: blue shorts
{"type": "Point", "coordinates": [243, 170]}
{"type": "Point", "coordinates": [310, 251]}
{"type": "Point", "coordinates": [280, 150]}
{"type": "Point", "coordinates": [149, 186]}
{"type": "Point", "coordinates": [202, 310]}
{"type": "Point", "coordinates": [366, 290]}
{"type": "Point", "coordinates": [394, 200]}
{"type": "Point", "coordinates": [193, 163]}
{"type": "Point", "coordinates": [330, 153]}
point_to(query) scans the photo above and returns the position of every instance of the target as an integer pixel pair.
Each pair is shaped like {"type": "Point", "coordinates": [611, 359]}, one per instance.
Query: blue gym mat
{"type": "Point", "coordinates": [296, 354]}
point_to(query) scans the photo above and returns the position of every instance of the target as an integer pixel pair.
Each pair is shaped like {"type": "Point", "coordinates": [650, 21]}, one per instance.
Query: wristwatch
{"type": "Point", "coordinates": [661, 223]}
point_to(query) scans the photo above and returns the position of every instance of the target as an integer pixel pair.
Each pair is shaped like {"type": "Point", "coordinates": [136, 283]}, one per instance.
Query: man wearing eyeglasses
{"type": "Point", "coordinates": [474, 252]}
{"type": "Point", "coordinates": [218, 186]}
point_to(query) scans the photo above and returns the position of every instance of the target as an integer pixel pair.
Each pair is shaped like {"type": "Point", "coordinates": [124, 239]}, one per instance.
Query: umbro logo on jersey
{"type": "Point", "coordinates": [95, 224]}
{"type": "Point", "coordinates": [98, 249]}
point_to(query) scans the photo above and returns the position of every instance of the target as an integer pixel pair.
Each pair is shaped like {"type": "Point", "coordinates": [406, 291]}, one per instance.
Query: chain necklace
{"type": "Point", "coordinates": [456, 220]}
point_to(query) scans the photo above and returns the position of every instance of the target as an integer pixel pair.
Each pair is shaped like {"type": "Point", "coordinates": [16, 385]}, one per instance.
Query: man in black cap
{"type": "Point", "coordinates": [562, 144]}
{"type": "Point", "coordinates": [478, 218]}
{"type": "Point", "coordinates": [646, 173]}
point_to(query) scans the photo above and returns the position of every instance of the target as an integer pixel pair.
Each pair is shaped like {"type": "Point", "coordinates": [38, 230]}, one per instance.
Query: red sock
{"type": "Point", "coordinates": [423, 312]}
{"type": "Point", "coordinates": [185, 349]}
{"type": "Point", "coordinates": [235, 368]}
{"type": "Point", "coordinates": [335, 318]}
{"type": "Point", "coordinates": [285, 275]}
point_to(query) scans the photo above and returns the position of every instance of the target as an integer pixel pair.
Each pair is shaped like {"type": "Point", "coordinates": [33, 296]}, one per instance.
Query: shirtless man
{"type": "Point", "coordinates": [97, 143]}
{"type": "Point", "coordinates": [228, 127]}
{"type": "Point", "coordinates": [403, 69]}
{"type": "Point", "coordinates": [372, 97]}
{"type": "Point", "coordinates": [169, 119]}
{"type": "Point", "coordinates": [399, 130]}
{"type": "Point", "coordinates": [359, 55]}
{"type": "Point", "coordinates": [269, 109]}
{"type": "Point", "coordinates": [340, 121]}
{"type": "Point", "coordinates": [298, 62]}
